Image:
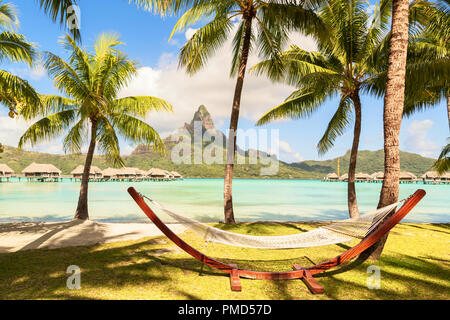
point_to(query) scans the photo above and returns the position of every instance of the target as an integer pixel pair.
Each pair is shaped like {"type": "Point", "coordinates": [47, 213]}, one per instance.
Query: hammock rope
{"type": "Point", "coordinates": [336, 232]}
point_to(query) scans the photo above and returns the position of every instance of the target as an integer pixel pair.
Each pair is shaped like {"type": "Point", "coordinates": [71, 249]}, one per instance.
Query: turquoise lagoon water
{"type": "Point", "coordinates": [202, 199]}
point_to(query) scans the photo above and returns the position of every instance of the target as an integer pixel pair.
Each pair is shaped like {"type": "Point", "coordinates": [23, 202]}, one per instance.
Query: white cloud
{"type": "Point", "coordinates": [416, 138]}
{"type": "Point", "coordinates": [12, 129]}
{"type": "Point", "coordinates": [189, 33]}
{"type": "Point", "coordinates": [211, 86]}
{"type": "Point", "coordinates": [36, 72]}
{"type": "Point", "coordinates": [288, 154]}
{"type": "Point", "coordinates": [127, 149]}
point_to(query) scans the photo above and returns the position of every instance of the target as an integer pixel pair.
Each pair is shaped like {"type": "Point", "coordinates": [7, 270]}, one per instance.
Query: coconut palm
{"type": "Point", "coordinates": [14, 91]}
{"type": "Point", "coordinates": [393, 106]}
{"type": "Point", "coordinates": [345, 64]}
{"type": "Point", "coordinates": [91, 83]}
{"type": "Point", "coordinates": [428, 68]}
{"type": "Point", "coordinates": [262, 25]}
{"type": "Point", "coordinates": [442, 164]}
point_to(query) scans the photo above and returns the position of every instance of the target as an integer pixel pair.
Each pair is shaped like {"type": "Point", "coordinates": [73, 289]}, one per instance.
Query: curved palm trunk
{"type": "Point", "coordinates": [231, 144]}
{"type": "Point", "coordinates": [82, 208]}
{"type": "Point", "coordinates": [393, 110]}
{"type": "Point", "coordinates": [351, 194]}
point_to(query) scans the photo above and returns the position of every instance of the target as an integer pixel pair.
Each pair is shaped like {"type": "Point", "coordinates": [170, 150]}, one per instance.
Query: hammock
{"type": "Point", "coordinates": [374, 226]}
{"type": "Point", "coordinates": [337, 232]}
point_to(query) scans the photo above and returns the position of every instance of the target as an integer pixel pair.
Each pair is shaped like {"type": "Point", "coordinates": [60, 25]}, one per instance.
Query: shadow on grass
{"type": "Point", "coordinates": [428, 227]}
{"type": "Point", "coordinates": [153, 269]}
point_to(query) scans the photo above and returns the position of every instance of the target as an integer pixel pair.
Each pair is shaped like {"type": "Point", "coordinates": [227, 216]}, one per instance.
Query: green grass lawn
{"type": "Point", "coordinates": [414, 265]}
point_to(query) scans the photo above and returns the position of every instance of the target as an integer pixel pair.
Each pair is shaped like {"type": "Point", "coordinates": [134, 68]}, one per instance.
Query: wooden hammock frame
{"type": "Point", "coordinates": [298, 272]}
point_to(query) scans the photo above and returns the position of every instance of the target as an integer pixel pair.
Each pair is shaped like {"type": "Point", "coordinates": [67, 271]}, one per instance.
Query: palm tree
{"type": "Point", "coordinates": [14, 91]}
{"type": "Point", "coordinates": [263, 25]}
{"type": "Point", "coordinates": [442, 164]}
{"type": "Point", "coordinates": [425, 83]}
{"type": "Point", "coordinates": [345, 65]}
{"type": "Point", "coordinates": [393, 111]}
{"type": "Point", "coordinates": [91, 82]}
{"type": "Point", "coordinates": [428, 70]}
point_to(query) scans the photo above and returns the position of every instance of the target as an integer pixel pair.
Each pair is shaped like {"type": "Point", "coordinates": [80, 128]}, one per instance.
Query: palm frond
{"type": "Point", "coordinates": [16, 48]}
{"type": "Point", "coordinates": [76, 137]}
{"type": "Point", "coordinates": [139, 106]}
{"type": "Point", "coordinates": [337, 125]}
{"type": "Point", "coordinates": [108, 142]}
{"type": "Point", "coordinates": [204, 43]}
{"type": "Point", "coordinates": [65, 78]}
{"type": "Point", "coordinates": [17, 93]}
{"type": "Point", "coordinates": [8, 16]}
{"type": "Point", "coordinates": [58, 10]}
{"type": "Point", "coordinates": [442, 164]}
{"type": "Point", "coordinates": [300, 104]}
{"type": "Point", "coordinates": [48, 128]}
{"type": "Point", "coordinates": [136, 130]}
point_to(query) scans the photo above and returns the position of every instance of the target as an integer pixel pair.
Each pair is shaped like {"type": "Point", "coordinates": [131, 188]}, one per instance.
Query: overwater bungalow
{"type": "Point", "coordinates": [5, 172]}
{"type": "Point", "coordinates": [445, 178]}
{"type": "Point", "coordinates": [110, 174]}
{"type": "Point", "coordinates": [344, 177]}
{"type": "Point", "coordinates": [407, 177]}
{"type": "Point", "coordinates": [377, 176]}
{"type": "Point", "coordinates": [140, 174]}
{"type": "Point", "coordinates": [169, 175]}
{"type": "Point", "coordinates": [363, 177]}
{"type": "Point", "coordinates": [42, 172]}
{"type": "Point", "coordinates": [176, 175]}
{"type": "Point", "coordinates": [157, 174]}
{"type": "Point", "coordinates": [430, 177]}
{"type": "Point", "coordinates": [95, 173]}
{"type": "Point", "coordinates": [331, 177]}
{"type": "Point", "coordinates": [126, 174]}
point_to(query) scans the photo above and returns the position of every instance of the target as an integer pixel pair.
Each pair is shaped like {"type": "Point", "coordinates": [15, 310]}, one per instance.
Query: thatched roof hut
{"type": "Point", "coordinates": [344, 177]}
{"type": "Point", "coordinates": [110, 173]}
{"type": "Point", "coordinates": [41, 170]}
{"type": "Point", "coordinates": [5, 171]}
{"type": "Point", "coordinates": [331, 177]}
{"type": "Point", "coordinates": [430, 175]}
{"type": "Point", "coordinates": [126, 172]}
{"type": "Point", "coordinates": [378, 175]}
{"type": "Point", "coordinates": [363, 176]}
{"type": "Point", "coordinates": [168, 174]}
{"type": "Point", "coordinates": [407, 176]}
{"type": "Point", "coordinates": [157, 173]}
{"type": "Point", "coordinates": [94, 172]}
{"type": "Point", "coordinates": [446, 176]}
{"type": "Point", "coordinates": [176, 174]}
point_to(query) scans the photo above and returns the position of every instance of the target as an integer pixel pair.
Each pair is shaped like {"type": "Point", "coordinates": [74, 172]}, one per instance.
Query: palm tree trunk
{"type": "Point", "coordinates": [448, 108]}
{"type": "Point", "coordinates": [82, 208]}
{"type": "Point", "coordinates": [351, 194]}
{"type": "Point", "coordinates": [231, 145]}
{"type": "Point", "coordinates": [393, 111]}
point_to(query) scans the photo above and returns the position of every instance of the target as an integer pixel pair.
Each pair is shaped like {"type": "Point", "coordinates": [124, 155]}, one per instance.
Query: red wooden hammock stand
{"type": "Point", "coordinates": [298, 272]}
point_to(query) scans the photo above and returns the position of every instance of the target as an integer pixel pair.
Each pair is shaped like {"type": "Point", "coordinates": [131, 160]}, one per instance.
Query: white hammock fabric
{"type": "Point", "coordinates": [336, 232]}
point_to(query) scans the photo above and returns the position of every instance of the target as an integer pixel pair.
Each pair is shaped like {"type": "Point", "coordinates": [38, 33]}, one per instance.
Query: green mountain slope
{"type": "Point", "coordinates": [368, 161]}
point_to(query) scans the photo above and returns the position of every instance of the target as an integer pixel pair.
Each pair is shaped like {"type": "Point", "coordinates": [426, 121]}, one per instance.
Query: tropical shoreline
{"type": "Point", "coordinates": [50, 235]}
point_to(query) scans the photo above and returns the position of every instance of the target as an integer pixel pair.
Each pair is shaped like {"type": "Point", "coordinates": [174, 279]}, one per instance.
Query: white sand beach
{"type": "Point", "coordinates": [36, 235]}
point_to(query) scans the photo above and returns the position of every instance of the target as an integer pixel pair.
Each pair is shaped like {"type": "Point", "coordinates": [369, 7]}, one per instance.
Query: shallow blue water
{"type": "Point", "coordinates": [288, 200]}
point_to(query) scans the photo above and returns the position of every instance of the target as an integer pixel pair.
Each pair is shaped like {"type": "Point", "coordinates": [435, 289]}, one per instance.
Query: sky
{"type": "Point", "coordinates": [146, 40]}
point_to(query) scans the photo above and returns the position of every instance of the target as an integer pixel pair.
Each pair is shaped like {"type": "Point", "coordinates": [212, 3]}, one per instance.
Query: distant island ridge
{"type": "Point", "coordinates": [145, 158]}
